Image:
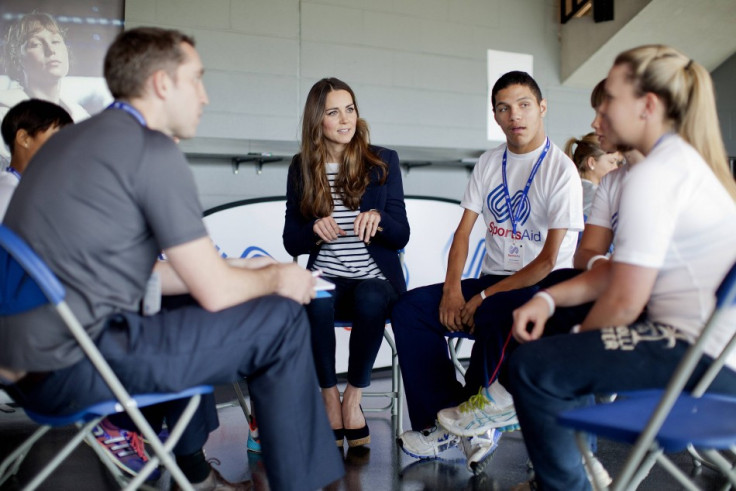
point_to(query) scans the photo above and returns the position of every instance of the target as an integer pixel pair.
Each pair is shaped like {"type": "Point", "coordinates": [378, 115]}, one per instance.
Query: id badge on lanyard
{"type": "Point", "coordinates": [512, 254]}
{"type": "Point", "coordinates": [513, 257]}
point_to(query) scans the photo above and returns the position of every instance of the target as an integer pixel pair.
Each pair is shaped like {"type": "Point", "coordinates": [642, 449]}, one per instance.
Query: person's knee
{"type": "Point", "coordinates": [524, 368]}
{"type": "Point", "coordinates": [372, 299]}
{"type": "Point", "coordinates": [413, 303]}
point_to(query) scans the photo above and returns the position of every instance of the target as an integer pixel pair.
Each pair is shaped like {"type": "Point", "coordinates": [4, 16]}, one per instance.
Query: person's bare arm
{"type": "Point", "coordinates": [453, 301]}
{"type": "Point", "coordinates": [529, 275]}
{"type": "Point", "coordinates": [624, 299]}
{"type": "Point", "coordinates": [172, 284]}
{"type": "Point", "coordinates": [596, 241]}
{"type": "Point", "coordinates": [530, 318]}
{"type": "Point", "coordinates": [196, 268]}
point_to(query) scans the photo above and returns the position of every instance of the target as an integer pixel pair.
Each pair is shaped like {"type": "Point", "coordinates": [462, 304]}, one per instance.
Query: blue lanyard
{"type": "Point", "coordinates": [516, 218]}
{"type": "Point", "coordinates": [13, 171]}
{"type": "Point", "coordinates": [130, 110]}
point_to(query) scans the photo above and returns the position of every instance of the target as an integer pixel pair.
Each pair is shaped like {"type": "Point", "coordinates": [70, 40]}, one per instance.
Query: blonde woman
{"type": "Point", "coordinates": [666, 259]}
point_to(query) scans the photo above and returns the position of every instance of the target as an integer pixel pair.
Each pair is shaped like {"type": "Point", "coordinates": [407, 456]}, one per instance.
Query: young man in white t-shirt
{"type": "Point", "coordinates": [530, 197]}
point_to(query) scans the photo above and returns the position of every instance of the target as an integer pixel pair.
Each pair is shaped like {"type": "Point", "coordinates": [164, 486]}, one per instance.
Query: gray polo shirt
{"type": "Point", "coordinates": [98, 202]}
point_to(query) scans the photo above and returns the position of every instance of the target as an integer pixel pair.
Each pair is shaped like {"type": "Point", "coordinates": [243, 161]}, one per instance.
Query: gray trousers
{"type": "Point", "coordinates": [265, 340]}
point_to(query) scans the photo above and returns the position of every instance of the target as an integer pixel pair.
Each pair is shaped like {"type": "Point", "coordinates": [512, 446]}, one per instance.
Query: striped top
{"type": "Point", "coordinates": [347, 256]}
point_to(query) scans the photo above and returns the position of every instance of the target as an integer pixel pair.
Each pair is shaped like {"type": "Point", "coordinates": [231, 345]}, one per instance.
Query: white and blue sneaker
{"type": "Point", "coordinates": [479, 449]}
{"type": "Point", "coordinates": [427, 444]}
{"type": "Point", "coordinates": [491, 408]}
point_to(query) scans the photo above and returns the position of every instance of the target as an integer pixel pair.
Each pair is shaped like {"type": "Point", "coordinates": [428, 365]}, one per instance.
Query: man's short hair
{"type": "Point", "coordinates": [515, 78]}
{"type": "Point", "coordinates": [136, 54]}
{"type": "Point", "coordinates": [34, 116]}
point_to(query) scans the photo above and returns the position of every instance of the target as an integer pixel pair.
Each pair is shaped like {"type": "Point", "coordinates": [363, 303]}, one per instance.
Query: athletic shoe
{"type": "Point", "coordinates": [427, 444]}
{"type": "Point", "coordinates": [254, 440]}
{"type": "Point", "coordinates": [124, 448]}
{"type": "Point", "coordinates": [479, 449]}
{"type": "Point", "coordinates": [491, 408]}
{"type": "Point", "coordinates": [215, 482]}
{"type": "Point", "coordinates": [600, 473]}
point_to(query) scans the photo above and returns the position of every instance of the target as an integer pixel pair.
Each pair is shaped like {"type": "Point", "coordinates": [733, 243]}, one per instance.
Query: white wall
{"type": "Point", "coordinates": [418, 68]}
{"type": "Point", "coordinates": [723, 81]}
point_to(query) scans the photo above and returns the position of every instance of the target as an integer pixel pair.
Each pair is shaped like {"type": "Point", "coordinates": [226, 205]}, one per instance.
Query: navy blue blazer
{"type": "Point", "coordinates": [387, 199]}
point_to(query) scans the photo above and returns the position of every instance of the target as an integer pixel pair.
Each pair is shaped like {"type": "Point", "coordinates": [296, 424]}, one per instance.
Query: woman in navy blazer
{"type": "Point", "coordinates": [345, 208]}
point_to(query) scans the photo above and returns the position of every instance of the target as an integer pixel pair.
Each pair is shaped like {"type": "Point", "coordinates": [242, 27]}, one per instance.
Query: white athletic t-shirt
{"type": "Point", "coordinates": [8, 182]}
{"type": "Point", "coordinates": [555, 200]}
{"type": "Point", "coordinates": [604, 210]}
{"type": "Point", "coordinates": [676, 216]}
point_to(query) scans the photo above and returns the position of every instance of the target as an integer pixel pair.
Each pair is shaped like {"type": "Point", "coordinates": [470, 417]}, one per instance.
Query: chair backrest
{"type": "Point", "coordinates": [253, 227]}
{"type": "Point", "coordinates": [27, 282]}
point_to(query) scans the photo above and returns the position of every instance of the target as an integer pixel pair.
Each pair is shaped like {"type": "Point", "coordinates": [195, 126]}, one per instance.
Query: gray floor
{"type": "Point", "coordinates": [381, 466]}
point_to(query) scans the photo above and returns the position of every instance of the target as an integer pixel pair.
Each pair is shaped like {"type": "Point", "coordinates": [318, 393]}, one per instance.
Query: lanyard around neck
{"type": "Point", "coordinates": [13, 171]}
{"type": "Point", "coordinates": [124, 106]}
{"type": "Point", "coordinates": [515, 218]}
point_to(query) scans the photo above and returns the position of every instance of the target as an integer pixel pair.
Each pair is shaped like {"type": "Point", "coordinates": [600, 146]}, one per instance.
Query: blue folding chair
{"type": "Point", "coordinates": [454, 343]}
{"type": "Point", "coordinates": [27, 283]}
{"type": "Point", "coordinates": [669, 420]}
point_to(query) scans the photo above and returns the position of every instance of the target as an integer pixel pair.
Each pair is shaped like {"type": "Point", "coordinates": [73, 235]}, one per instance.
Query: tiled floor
{"type": "Point", "coordinates": [381, 466]}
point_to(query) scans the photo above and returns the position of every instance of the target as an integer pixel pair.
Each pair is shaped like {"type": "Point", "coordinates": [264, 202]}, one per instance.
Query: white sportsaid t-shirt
{"type": "Point", "coordinates": [555, 200]}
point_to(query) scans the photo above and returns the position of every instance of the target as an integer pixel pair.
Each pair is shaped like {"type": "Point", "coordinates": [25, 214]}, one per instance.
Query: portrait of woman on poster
{"type": "Point", "coordinates": [35, 61]}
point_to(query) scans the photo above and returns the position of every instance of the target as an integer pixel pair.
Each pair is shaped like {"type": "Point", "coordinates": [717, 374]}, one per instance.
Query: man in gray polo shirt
{"type": "Point", "coordinates": [98, 204]}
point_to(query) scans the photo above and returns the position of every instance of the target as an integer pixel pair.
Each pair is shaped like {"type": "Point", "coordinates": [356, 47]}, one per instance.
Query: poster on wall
{"type": "Point", "coordinates": [54, 50]}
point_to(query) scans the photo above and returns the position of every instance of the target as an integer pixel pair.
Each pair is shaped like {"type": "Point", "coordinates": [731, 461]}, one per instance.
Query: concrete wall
{"type": "Point", "coordinates": [723, 79]}
{"type": "Point", "coordinates": [418, 68]}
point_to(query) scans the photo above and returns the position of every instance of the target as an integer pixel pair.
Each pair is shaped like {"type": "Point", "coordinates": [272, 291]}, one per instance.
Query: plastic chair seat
{"type": "Point", "coordinates": [707, 421]}
{"type": "Point", "coordinates": [106, 408]}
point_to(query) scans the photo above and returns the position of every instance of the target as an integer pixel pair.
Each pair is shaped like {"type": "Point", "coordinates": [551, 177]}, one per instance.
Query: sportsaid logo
{"type": "Point", "coordinates": [497, 205]}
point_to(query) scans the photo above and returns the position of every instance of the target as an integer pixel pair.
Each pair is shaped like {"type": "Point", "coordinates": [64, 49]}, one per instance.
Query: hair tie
{"type": "Point", "coordinates": [689, 64]}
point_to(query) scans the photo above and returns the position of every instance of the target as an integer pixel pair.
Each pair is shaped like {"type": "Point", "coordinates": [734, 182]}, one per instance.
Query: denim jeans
{"type": "Point", "coordinates": [365, 303]}
{"type": "Point", "coordinates": [263, 339]}
{"type": "Point", "coordinates": [430, 383]}
{"type": "Point", "coordinates": [559, 373]}
{"type": "Point", "coordinates": [429, 376]}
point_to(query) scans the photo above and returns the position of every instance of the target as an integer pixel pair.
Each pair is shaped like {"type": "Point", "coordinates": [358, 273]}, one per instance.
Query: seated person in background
{"type": "Point", "coordinates": [345, 208]}
{"type": "Point", "coordinates": [593, 163]}
{"type": "Point", "coordinates": [530, 197]}
{"type": "Point", "coordinates": [116, 191]}
{"type": "Point", "coordinates": [661, 103]}
{"type": "Point", "coordinates": [25, 127]}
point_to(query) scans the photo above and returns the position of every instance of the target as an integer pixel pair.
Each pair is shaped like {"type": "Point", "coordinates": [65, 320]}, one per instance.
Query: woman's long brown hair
{"type": "Point", "coordinates": [358, 160]}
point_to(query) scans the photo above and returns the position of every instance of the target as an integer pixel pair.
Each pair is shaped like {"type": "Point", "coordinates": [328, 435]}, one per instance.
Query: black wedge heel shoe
{"type": "Point", "coordinates": [339, 436]}
{"type": "Point", "coordinates": [359, 436]}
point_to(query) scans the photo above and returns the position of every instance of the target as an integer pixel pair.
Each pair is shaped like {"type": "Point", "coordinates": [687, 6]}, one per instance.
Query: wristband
{"type": "Point", "coordinates": [548, 298]}
{"type": "Point", "coordinates": [593, 259]}
{"type": "Point", "coordinates": [483, 294]}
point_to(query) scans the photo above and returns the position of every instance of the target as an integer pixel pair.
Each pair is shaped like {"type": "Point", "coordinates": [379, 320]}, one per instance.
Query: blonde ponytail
{"type": "Point", "coordinates": [686, 89]}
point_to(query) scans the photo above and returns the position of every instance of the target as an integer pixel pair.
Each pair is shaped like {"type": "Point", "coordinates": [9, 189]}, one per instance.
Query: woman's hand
{"type": "Point", "coordinates": [535, 312]}
{"type": "Point", "coordinates": [327, 229]}
{"type": "Point", "coordinates": [366, 225]}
